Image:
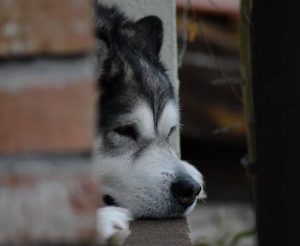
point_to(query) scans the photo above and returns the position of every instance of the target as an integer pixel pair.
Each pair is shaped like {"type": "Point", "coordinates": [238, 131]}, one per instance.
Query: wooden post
{"type": "Point", "coordinates": [245, 67]}
{"type": "Point", "coordinates": [276, 90]}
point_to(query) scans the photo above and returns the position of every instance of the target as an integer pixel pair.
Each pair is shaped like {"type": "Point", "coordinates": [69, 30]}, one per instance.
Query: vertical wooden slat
{"type": "Point", "coordinates": [275, 64]}
{"type": "Point", "coordinates": [245, 68]}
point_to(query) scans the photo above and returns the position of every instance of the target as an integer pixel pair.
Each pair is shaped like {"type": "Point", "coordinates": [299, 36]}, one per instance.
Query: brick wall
{"type": "Point", "coordinates": [47, 191]}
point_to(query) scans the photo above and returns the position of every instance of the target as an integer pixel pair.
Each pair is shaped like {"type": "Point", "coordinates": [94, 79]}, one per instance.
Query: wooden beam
{"type": "Point", "coordinates": [276, 87]}
{"type": "Point", "coordinates": [172, 232]}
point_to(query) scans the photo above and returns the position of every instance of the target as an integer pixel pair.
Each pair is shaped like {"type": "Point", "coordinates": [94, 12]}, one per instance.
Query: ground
{"type": "Point", "coordinates": [217, 224]}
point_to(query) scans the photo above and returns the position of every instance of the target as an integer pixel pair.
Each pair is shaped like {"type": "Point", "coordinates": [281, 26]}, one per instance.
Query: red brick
{"type": "Point", "coordinates": [43, 210]}
{"type": "Point", "coordinates": [48, 118]}
{"type": "Point", "coordinates": [45, 26]}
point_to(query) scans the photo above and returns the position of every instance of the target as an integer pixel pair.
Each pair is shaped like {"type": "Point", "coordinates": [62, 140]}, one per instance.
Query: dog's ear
{"type": "Point", "coordinates": [151, 29]}
{"type": "Point", "coordinates": [108, 20]}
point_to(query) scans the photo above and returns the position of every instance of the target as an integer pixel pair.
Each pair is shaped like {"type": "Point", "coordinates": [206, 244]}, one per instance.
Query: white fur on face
{"type": "Point", "coordinates": [142, 183]}
{"type": "Point", "coordinates": [168, 119]}
{"type": "Point", "coordinates": [143, 116]}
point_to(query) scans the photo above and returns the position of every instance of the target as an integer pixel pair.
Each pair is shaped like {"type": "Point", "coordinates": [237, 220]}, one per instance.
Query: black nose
{"type": "Point", "coordinates": [186, 191]}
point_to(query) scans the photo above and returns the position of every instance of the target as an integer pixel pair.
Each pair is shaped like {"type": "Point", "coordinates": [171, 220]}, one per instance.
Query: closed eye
{"type": "Point", "coordinates": [173, 128]}
{"type": "Point", "coordinates": [127, 131]}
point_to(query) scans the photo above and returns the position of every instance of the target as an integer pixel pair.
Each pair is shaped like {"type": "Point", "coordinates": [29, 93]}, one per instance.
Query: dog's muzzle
{"type": "Point", "coordinates": [185, 190]}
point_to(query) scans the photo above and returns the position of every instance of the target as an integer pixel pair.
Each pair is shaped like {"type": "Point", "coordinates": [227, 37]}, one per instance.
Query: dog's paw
{"type": "Point", "coordinates": [113, 225]}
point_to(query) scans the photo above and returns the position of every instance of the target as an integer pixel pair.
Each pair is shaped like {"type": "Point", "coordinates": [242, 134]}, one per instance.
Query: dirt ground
{"type": "Point", "coordinates": [222, 224]}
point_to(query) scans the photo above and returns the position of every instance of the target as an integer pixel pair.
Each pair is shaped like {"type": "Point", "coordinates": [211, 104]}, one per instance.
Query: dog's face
{"type": "Point", "coordinates": [138, 115]}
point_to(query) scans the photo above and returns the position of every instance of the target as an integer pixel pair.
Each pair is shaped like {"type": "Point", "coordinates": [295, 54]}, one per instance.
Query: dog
{"type": "Point", "coordinates": [141, 175]}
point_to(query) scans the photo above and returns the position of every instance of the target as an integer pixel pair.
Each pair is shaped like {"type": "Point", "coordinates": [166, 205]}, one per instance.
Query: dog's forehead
{"type": "Point", "coordinates": [149, 124]}
{"type": "Point", "coordinates": [169, 118]}
{"type": "Point", "coordinates": [144, 118]}
{"type": "Point", "coordinates": [136, 84]}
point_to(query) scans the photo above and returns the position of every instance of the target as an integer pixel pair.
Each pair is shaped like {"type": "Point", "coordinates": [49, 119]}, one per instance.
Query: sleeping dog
{"type": "Point", "coordinates": [141, 175]}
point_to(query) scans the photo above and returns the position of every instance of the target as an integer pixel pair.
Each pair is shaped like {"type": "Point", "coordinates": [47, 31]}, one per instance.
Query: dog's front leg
{"type": "Point", "coordinates": [113, 225]}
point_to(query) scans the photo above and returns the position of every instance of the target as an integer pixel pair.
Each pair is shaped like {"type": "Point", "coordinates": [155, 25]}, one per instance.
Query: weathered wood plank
{"type": "Point", "coordinates": [172, 232]}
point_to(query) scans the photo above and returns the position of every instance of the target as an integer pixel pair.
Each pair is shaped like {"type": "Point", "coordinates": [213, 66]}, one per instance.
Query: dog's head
{"type": "Point", "coordinates": [138, 115]}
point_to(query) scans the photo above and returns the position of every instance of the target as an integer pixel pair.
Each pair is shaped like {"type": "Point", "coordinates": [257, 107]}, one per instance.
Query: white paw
{"type": "Point", "coordinates": [113, 225]}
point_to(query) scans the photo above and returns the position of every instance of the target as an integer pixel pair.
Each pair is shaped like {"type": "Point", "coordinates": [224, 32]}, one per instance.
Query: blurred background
{"type": "Point", "coordinates": [213, 135]}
